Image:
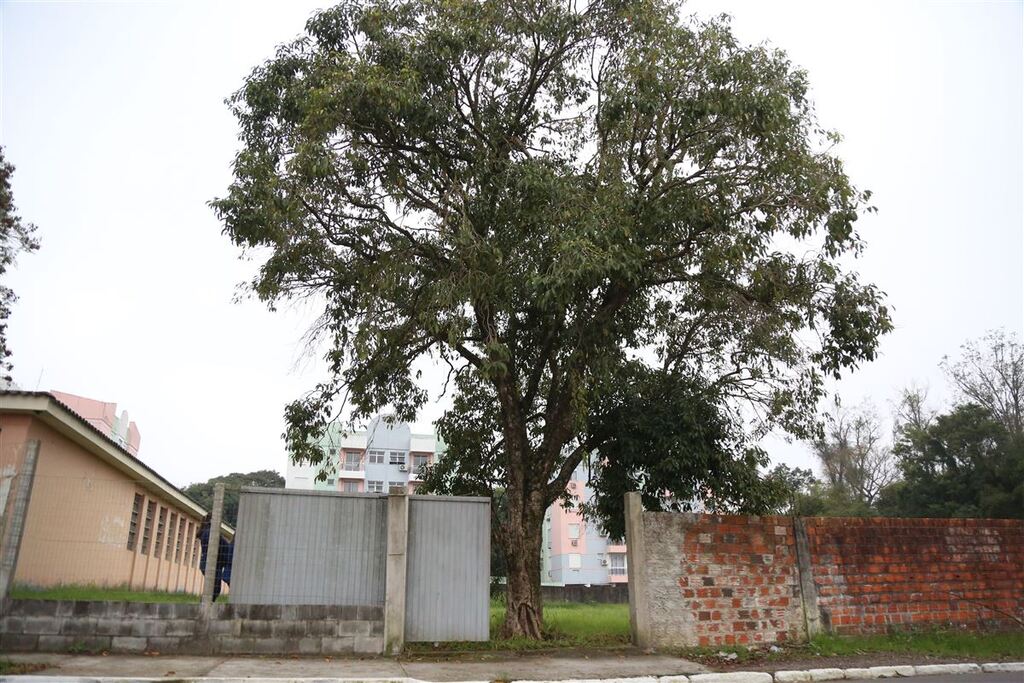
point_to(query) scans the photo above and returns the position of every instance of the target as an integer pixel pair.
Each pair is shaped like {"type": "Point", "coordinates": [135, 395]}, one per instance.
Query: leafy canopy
{"type": "Point", "coordinates": [202, 492]}
{"type": "Point", "coordinates": [620, 231]}
{"type": "Point", "coordinates": [15, 236]}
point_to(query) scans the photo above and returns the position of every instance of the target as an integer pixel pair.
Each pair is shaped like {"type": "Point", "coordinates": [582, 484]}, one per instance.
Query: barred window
{"type": "Point", "coordinates": [133, 524]}
{"type": "Point", "coordinates": [147, 528]}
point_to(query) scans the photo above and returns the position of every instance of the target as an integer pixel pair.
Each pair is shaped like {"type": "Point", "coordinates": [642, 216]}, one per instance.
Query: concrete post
{"type": "Point", "coordinates": [636, 568]}
{"type": "Point", "coordinates": [808, 592]}
{"type": "Point", "coordinates": [397, 565]}
{"type": "Point", "coordinates": [213, 547]}
{"type": "Point", "coordinates": [14, 525]}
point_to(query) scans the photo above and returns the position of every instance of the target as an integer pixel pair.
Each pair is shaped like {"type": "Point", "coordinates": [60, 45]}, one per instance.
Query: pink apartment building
{"type": "Point", "coordinates": [576, 551]}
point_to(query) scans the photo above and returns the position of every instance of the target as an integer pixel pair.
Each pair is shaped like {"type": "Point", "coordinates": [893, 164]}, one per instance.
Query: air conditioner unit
{"type": "Point", "coordinates": [574, 542]}
{"type": "Point", "coordinates": [403, 468]}
{"type": "Point", "coordinates": [572, 485]}
{"type": "Point", "coordinates": [604, 563]}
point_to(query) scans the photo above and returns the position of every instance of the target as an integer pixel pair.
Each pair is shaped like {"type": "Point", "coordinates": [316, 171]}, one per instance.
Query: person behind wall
{"type": "Point", "coordinates": [225, 555]}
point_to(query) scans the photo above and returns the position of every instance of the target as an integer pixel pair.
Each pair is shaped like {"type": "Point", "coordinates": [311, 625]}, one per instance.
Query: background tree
{"type": "Point", "coordinates": [990, 373]}
{"type": "Point", "coordinates": [16, 236]}
{"type": "Point", "coordinates": [202, 493]}
{"type": "Point", "coordinates": [961, 464]}
{"type": "Point", "coordinates": [856, 461]}
{"type": "Point", "coordinates": [576, 210]}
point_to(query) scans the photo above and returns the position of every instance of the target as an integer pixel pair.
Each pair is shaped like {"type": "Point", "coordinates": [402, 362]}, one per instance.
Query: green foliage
{"type": "Point", "coordinates": [573, 208]}
{"type": "Point", "coordinates": [961, 464]}
{"type": "Point", "coordinates": [202, 493]}
{"type": "Point", "coordinates": [16, 236]}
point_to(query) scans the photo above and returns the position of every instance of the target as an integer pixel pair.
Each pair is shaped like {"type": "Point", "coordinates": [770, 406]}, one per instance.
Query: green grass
{"type": "Point", "coordinates": [88, 592]}
{"type": "Point", "coordinates": [935, 643]}
{"type": "Point", "coordinates": [566, 624]}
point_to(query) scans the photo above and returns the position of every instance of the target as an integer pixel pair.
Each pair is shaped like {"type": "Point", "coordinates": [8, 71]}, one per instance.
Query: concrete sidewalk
{"type": "Point", "coordinates": [482, 667]}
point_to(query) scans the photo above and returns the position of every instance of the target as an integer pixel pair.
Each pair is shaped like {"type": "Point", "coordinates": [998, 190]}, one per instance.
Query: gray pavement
{"type": "Point", "coordinates": [964, 678]}
{"type": "Point", "coordinates": [480, 668]}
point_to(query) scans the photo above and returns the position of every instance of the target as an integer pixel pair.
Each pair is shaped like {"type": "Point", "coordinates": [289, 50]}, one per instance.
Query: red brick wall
{"type": "Point", "coordinates": [876, 574]}
{"type": "Point", "coordinates": [722, 579]}
{"type": "Point", "coordinates": [714, 580]}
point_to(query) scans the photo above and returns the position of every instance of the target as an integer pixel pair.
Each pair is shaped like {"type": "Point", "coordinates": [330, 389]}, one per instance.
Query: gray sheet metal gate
{"type": "Point", "coordinates": [324, 548]}
{"type": "Point", "coordinates": [447, 584]}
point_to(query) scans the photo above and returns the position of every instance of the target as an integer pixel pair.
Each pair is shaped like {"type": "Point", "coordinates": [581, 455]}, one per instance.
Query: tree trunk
{"type": "Point", "coordinates": [523, 612]}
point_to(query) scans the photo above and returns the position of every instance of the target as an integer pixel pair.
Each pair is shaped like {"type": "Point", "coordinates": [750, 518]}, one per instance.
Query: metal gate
{"type": "Point", "coordinates": [448, 574]}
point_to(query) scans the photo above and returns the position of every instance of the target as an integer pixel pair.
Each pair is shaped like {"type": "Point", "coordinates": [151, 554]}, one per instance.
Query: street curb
{"type": "Point", "coordinates": [813, 675]}
{"type": "Point", "coordinates": [801, 676]}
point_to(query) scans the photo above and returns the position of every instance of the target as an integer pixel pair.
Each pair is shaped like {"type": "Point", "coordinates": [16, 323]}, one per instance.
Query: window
{"type": "Point", "coordinates": [574, 560]}
{"type": "Point", "coordinates": [351, 487]}
{"type": "Point", "coordinates": [574, 531]}
{"type": "Point", "coordinates": [373, 486]}
{"type": "Point", "coordinates": [419, 462]}
{"type": "Point", "coordinates": [195, 553]}
{"type": "Point", "coordinates": [133, 524]}
{"type": "Point", "coordinates": [147, 529]}
{"type": "Point", "coordinates": [161, 524]}
{"type": "Point", "coordinates": [396, 457]}
{"type": "Point", "coordinates": [330, 482]}
{"type": "Point", "coordinates": [375, 457]}
{"type": "Point", "coordinates": [353, 461]}
{"type": "Point", "coordinates": [190, 533]}
{"type": "Point", "coordinates": [171, 528]}
{"type": "Point", "coordinates": [618, 564]}
{"type": "Point", "coordinates": [180, 541]}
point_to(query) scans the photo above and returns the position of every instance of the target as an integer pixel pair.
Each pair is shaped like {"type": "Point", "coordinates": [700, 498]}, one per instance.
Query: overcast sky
{"type": "Point", "coordinates": [113, 114]}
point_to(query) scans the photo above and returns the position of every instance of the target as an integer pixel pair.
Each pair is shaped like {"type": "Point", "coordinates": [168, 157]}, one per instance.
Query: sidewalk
{"type": "Point", "coordinates": [481, 667]}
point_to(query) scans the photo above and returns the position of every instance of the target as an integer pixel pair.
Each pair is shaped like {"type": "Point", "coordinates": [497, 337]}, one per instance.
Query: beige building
{"type": "Point", "coordinates": [97, 514]}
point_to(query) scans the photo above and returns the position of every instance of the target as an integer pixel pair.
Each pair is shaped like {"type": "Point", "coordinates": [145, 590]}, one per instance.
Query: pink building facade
{"type": "Point", "coordinates": [103, 416]}
{"type": "Point", "coordinates": [576, 551]}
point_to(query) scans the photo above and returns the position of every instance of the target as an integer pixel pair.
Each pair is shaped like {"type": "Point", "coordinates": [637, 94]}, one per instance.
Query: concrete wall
{"type": "Point", "coordinates": [188, 628]}
{"type": "Point", "coordinates": [80, 518]}
{"type": "Point", "coordinates": [711, 580]}
{"type": "Point", "coordinates": [606, 593]}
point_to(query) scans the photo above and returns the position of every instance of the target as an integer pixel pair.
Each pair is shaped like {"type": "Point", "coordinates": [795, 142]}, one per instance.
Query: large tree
{"type": "Point", "coordinates": [16, 236]}
{"type": "Point", "coordinates": [964, 463]}
{"type": "Point", "coordinates": [620, 231]}
{"type": "Point", "coordinates": [202, 492]}
{"type": "Point", "coordinates": [856, 461]}
{"type": "Point", "coordinates": [990, 373]}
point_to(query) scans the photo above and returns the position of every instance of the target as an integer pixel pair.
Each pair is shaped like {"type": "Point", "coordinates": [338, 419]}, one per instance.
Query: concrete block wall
{"type": "Point", "coordinates": [872, 575]}
{"type": "Point", "coordinates": [713, 580]}
{"type": "Point", "coordinates": [190, 628]}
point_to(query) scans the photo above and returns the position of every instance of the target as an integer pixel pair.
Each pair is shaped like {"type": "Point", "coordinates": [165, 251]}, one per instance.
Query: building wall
{"type": "Point", "coordinates": [80, 517]}
{"type": "Point", "coordinates": [594, 549]}
{"type": "Point", "coordinates": [103, 415]}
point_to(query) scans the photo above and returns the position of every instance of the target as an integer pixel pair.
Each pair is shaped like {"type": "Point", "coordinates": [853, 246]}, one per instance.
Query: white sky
{"type": "Point", "coordinates": [113, 114]}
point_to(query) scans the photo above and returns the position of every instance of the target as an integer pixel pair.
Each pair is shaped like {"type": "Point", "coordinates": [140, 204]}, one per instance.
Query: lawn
{"type": "Point", "coordinates": [114, 594]}
{"type": "Point", "coordinates": [953, 644]}
{"type": "Point", "coordinates": [566, 624]}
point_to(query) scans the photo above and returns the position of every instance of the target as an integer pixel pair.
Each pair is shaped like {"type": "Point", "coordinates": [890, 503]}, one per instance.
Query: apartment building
{"type": "Point", "coordinates": [378, 459]}
{"type": "Point", "coordinates": [576, 551]}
